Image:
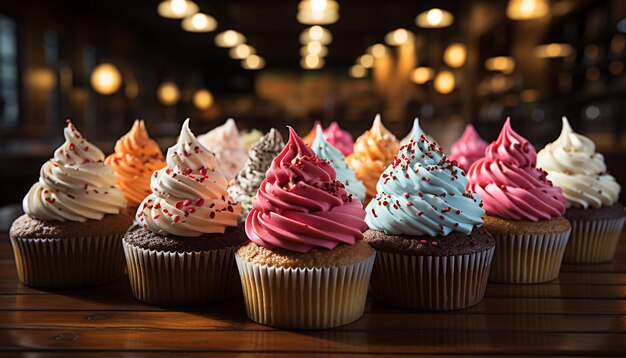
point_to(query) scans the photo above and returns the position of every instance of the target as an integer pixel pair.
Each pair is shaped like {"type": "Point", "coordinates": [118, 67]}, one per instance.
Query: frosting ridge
{"type": "Point", "coordinates": [339, 138]}
{"type": "Point", "coordinates": [223, 141]}
{"type": "Point", "coordinates": [468, 148]}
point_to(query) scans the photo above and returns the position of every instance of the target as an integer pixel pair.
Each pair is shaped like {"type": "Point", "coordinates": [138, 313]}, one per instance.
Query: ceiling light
{"type": "Point", "coordinates": [168, 93]}
{"type": "Point", "coordinates": [527, 9]}
{"type": "Point", "coordinates": [320, 51]}
{"type": "Point", "coordinates": [444, 82]}
{"type": "Point", "coordinates": [553, 50]}
{"type": "Point", "coordinates": [377, 50]}
{"type": "Point", "coordinates": [422, 75]}
{"type": "Point", "coordinates": [505, 64]}
{"type": "Point", "coordinates": [318, 12]}
{"type": "Point", "coordinates": [253, 62]}
{"type": "Point", "coordinates": [367, 60]}
{"type": "Point", "coordinates": [229, 38]}
{"type": "Point", "coordinates": [312, 62]}
{"type": "Point", "coordinates": [241, 51]}
{"type": "Point", "coordinates": [202, 99]}
{"type": "Point", "coordinates": [316, 33]}
{"type": "Point", "coordinates": [106, 79]}
{"type": "Point", "coordinates": [177, 9]}
{"type": "Point", "coordinates": [357, 71]}
{"type": "Point", "coordinates": [199, 23]}
{"type": "Point", "coordinates": [434, 18]}
{"type": "Point", "coordinates": [398, 37]}
{"type": "Point", "coordinates": [455, 55]}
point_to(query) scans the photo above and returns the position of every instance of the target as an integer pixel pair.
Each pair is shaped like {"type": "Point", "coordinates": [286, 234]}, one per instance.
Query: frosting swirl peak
{"type": "Point", "coordinates": [468, 148]}
{"type": "Point", "coordinates": [75, 185]}
{"type": "Point", "coordinates": [573, 165]}
{"type": "Point", "coordinates": [300, 204]}
{"type": "Point", "coordinates": [189, 196]}
{"type": "Point", "coordinates": [510, 184]}
{"type": "Point", "coordinates": [224, 142]}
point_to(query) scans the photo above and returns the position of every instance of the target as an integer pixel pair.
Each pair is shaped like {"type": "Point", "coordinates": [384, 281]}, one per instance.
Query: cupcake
{"type": "Point", "coordinates": [426, 228]}
{"type": "Point", "coordinates": [339, 138]}
{"type": "Point", "coordinates": [325, 150]}
{"type": "Point", "coordinates": [468, 148]}
{"type": "Point", "coordinates": [245, 185]}
{"type": "Point", "coordinates": [413, 130]}
{"type": "Point", "coordinates": [524, 211]}
{"type": "Point", "coordinates": [223, 141]}
{"type": "Point", "coordinates": [306, 266]}
{"type": "Point", "coordinates": [135, 158]}
{"type": "Point", "coordinates": [180, 250]}
{"type": "Point", "coordinates": [249, 138]}
{"type": "Point", "coordinates": [69, 236]}
{"type": "Point", "coordinates": [373, 152]}
{"type": "Point", "coordinates": [596, 216]}
{"type": "Point", "coordinates": [310, 137]}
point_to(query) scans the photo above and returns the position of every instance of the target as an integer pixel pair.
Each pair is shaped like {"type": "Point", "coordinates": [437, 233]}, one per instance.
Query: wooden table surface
{"type": "Point", "coordinates": [581, 313]}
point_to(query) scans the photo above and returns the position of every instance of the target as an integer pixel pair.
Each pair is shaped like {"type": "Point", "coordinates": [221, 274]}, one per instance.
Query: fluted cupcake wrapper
{"type": "Point", "coordinates": [526, 258]}
{"type": "Point", "coordinates": [593, 241]}
{"type": "Point", "coordinates": [69, 262]}
{"type": "Point", "coordinates": [305, 298]}
{"type": "Point", "coordinates": [434, 283]}
{"type": "Point", "coordinates": [182, 278]}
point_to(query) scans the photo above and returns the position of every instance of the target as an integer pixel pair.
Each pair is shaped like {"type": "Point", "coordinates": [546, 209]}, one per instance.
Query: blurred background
{"type": "Point", "coordinates": [270, 63]}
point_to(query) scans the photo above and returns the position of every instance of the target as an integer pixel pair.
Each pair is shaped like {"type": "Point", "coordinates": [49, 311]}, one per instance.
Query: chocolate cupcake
{"type": "Point", "coordinates": [432, 252]}
{"type": "Point", "coordinates": [180, 252]}
{"type": "Point", "coordinates": [306, 266]}
{"type": "Point", "coordinates": [524, 211]}
{"type": "Point", "coordinates": [75, 218]}
{"type": "Point", "coordinates": [596, 216]}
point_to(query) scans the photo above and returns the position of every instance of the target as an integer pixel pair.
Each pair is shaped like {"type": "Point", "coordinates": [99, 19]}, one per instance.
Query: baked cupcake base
{"type": "Point", "coordinates": [317, 290]}
{"type": "Point", "coordinates": [52, 254]}
{"type": "Point", "coordinates": [410, 272]}
{"type": "Point", "coordinates": [595, 233]}
{"type": "Point", "coordinates": [527, 251]}
{"type": "Point", "coordinates": [170, 270]}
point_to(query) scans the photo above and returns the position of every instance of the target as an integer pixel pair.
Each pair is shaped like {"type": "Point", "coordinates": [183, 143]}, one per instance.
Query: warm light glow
{"type": "Point", "coordinates": [434, 18]}
{"type": "Point", "coordinates": [504, 64]}
{"type": "Point", "coordinates": [202, 99]}
{"type": "Point", "coordinates": [398, 37]}
{"type": "Point", "coordinates": [316, 33]}
{"type": "Point", "coordinates": [529, 95]}
{"type": "Point", "coordinates": [253, 62]}
{"type": "Point", "coordinates": [314, 48]}
{"type": "Point", "coordinates": [616, 67]}
{"type": "Point", "coordinates": [455, 55]}
{"type": "Point", "coordinates": [40, 78]}
{"type": "Point", "coordinates": [377, 50]}
{"type": "Point", "coordinates": [229, 38]}
{"type": "Point", "coordinates": [422, 75]}
{"type": "Point", "coordinates": [241, 51]}
{"type": "Point", "coordinates": [318, 12]}
{"type": "Point", "coordinates": [527, 9]}
{"type": "Point", "coordinates": [312, 62]}
{"type": "Point", "coordinates": [199, 23]}
{"type": "Point", "coordinates": [319, 5]}
{"type": "Point", "coordinates": [177, 9]}
{"type": "Point", "coordinates": [357, 71]}
{"type": "Point", "coordinates": [553, 50]}
{"type": "Point", "coordinates": [367, 60]}
{"type": "Point", "coordinates": [592, 74]}
{"type": "Point", "coordinates": [444, 82]}
{"type": "Point", "coordinates": [168, 93]}
{"type": "Point", "coordinates": [106, 79]}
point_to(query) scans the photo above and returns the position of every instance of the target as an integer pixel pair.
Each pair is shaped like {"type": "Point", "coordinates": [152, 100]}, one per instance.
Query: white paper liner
{"type": "Point", "coordinates": [528, 258]}
{"type": "Point", "coordinates": [593, 241]}
{"type": "Point", "coordinates": [182, 278]}
{"type": "Point", "coordinates": [434, 283]}
{"type": "Point", "coordinates": [305, 298]}
{"type": "Point", "coordinates": [69, 262]}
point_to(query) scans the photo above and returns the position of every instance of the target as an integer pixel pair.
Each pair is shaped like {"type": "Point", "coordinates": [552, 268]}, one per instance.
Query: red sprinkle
{"type": "Point", "coordinates": [156, 217]}
{"type": "Point", "coordinates": [434, 243]}
{"type": "Point", "coordinates": [374, 213]}
{"type": "Point", "coordinates": [424, 242]}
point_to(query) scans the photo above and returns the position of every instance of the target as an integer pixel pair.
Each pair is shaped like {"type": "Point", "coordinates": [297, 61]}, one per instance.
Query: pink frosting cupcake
{"type": "Point", "coordinates": [468, 148]}
{"type": "Point", "coordinates": [524, 211]}
{"type": "Point", "coordinates": [339, 138]}
{"type": "Point", "coordinates": [306, 234]}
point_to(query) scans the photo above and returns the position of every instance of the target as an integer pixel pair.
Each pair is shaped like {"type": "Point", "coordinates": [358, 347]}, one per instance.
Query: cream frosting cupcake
{"type": "Point", "coordinates": [75, 218]}
{"type": "Point", "coordinates": [592, 196]}
{"type": "Point", "coordinates": [224, 142]}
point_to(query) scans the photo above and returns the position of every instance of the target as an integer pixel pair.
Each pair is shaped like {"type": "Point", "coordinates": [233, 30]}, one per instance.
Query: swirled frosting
{"type": "Point", "coordinates": [573, 165]}
{"type": "Point", "coordinates": [373, 152]}
{"type": "Point", "coordinates": [135, 158]}
{"type": "Point", "coordinates": [412, 132]}
{"type": "Point", "coordinates": [75, 185]}
{"type": "Point", "coordinates": [310, 137]}
{"type": "Point", "coordinates": [422, 193]}
{"type": "Point", "coordinates": [510, 184]}
{"type": "Point", "coordinates": [249, 179]}
{"type": "Point", "coordinates": [301, 205]}
{"type": "Point", "coordinates": [339, 138]}
{"type": "Point", "coordinates": [189, 196]}
{"type": "Point", "coordinates": [468, 148]}
{"type": "Point", "coordinates": [324, 150]}
{"type": "Point", "coordinates": [224, 142]}
{"type": "Point", "coordinates": [249, 138]}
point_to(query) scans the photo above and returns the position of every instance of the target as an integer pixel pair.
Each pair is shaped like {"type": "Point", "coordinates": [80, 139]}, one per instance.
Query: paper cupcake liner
{"type": "Point", "coordinates": [305, 298]}
{"type": "Point", "coordinates": [593, 241]}
{"type": "Point", "coordinates": [182, 278]}
{"type": "Point", "coordinates": [69, 262]}
{"type": "Point", "coordinates": [435, 283]}
{"type": "Point", "coordinates": [528, 258]}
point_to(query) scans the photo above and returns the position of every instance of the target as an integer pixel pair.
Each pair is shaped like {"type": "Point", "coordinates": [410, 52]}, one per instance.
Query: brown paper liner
{"type": "Point", "coordinates": [434, 283]}
{"type": "Point", "coordinates": [182, 278]}
{"type": "Point", "coordinates": [526, 258]}
{"type": "Point", "coordinates": [305, 298]}
{"type": "Point", "coordinates": [593, 241]}
{"type": "Point", "coordinates": [69, 262]}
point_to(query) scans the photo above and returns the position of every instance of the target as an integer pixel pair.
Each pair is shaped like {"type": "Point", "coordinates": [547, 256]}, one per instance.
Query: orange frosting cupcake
{"type": "Point", "coordinates": [310, 137]}
{"type": "Point", "coordinates": [373, 152]}
{"type": "Point", "coordinates": [135, 158]}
